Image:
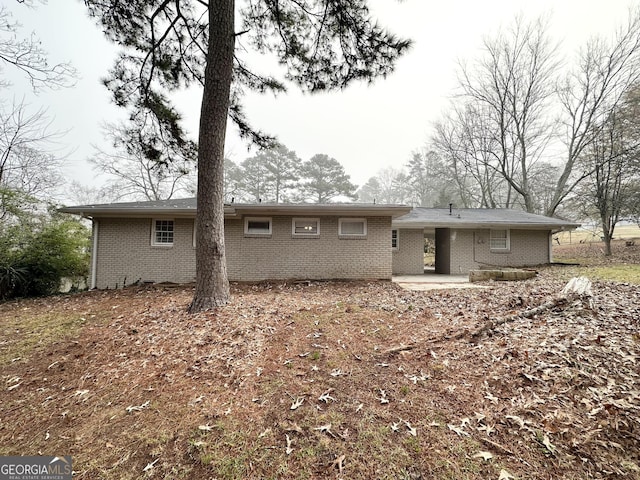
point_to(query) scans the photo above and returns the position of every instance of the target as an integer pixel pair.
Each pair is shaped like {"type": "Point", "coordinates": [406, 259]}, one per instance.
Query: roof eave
{"type": "Point", "coordinates": [239, 210]}
{"type": "Point", "coordinates": [495, 225]}
{"type": "Point", "coordinates": [324, 209]}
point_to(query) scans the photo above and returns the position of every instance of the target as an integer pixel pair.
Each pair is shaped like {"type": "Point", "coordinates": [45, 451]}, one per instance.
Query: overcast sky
{"type": "Point", "coordinates": [366, 128]}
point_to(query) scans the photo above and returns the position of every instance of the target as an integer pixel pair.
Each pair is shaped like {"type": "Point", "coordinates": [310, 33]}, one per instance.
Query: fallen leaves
{"type": "Point", "coordinates": [486, 456]}
{"type": "Point", "coordinates": [289, 449]}
{"type": "Point", "coordinates": [504, 475]}
{"type": "Point", "coordinates": [458, 430]}
{"type": "Point", "coordinates": [138, 408]}
{"type": "Point", "coordinates": [530, 401]}
{"type": "Point", "coordinates": [297, 402]}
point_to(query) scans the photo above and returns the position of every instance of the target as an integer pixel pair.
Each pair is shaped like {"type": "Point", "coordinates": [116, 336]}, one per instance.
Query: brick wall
{"type": "Point", "coordinates": [408, 259]}
{"type": "Point", "coordinates": [470, 250]}
{"type": "Point", "coordinates": [326, 256]}
{"type": "Point", "coordinates": [125, 253]}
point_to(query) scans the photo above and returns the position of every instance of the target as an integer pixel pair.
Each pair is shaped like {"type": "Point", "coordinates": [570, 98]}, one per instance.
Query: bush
{"type": "Point", "coordinates": [35, 258]}
{"type": "Point", "coordinates": [12, 280]}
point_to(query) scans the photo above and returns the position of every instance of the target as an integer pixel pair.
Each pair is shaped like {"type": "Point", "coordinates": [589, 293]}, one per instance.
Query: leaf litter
{"type": "Point", "coordinates": [554, 395]}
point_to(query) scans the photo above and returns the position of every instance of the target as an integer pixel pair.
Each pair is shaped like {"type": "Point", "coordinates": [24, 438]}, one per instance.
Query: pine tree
{"type": "Point", "coordinates": [170, 44]}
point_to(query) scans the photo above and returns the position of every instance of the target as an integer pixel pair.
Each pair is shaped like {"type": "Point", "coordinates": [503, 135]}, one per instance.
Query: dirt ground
{"type": "Point", "coordinates": [327, 380]}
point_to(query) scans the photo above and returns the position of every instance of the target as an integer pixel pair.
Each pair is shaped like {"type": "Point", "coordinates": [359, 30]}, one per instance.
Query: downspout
{"type": "Point", "coordinates": [94, 254]}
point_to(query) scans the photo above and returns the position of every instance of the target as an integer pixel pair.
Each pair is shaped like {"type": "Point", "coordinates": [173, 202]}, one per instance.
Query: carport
{"type": "Point", "coordinates": [473, 238]}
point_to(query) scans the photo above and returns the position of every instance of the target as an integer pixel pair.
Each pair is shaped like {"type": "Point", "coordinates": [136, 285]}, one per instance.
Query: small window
{"type": "Point", "coordinates": [162, 233]}
{"type": "Point", "coordinates": [305, 226]}
{"type": "Point", "coordinates": [499, 240]}
{"type": "Point", "coordinates": [356, 227]}
{"type": "Point", "coordinates": [394, 239]}
{"type": "Point", "coordinates": [257, 225]}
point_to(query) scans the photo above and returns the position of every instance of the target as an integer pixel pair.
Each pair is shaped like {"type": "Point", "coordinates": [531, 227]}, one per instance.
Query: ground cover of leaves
{"type": "Point", "coordinates": [326, 380]}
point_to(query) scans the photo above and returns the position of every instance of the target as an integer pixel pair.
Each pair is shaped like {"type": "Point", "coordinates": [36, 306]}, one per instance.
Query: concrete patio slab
{"type": "Point", "coordinates": [433, 281]}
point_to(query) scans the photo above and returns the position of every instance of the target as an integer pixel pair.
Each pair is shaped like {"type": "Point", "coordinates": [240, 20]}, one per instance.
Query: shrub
{"type": "Point", "coordinates": [37, 257]}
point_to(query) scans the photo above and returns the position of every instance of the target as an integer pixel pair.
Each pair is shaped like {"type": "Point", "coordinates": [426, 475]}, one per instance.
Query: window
{"type": "Point", "coordinates": [353, 227]}
{"type": "Point", "coordinates": [394, 239]}
{"type": "Point", "coordinates": [257, 226]}
{"type": "Point", "coordinates": [305, 226]}
{"type": "Point", "coordinates": [499, 240]}
{"type": "Point", "coordinates": [162, 233]}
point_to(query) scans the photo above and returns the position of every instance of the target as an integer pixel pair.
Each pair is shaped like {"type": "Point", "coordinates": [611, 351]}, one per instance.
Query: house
{"type": "Point", "coordinates": [472, 238]}
{"type": "Point", "coordinates": [155, 241]}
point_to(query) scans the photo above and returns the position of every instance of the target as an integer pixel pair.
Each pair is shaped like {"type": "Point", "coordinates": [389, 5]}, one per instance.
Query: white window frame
{"type": "Point", "coordinates": [397, 239]}
{"type": "Point", "coordinates": [507, 240]}
{"type": "Point", "coordinates": [303, 234]}
{"type": "Point", "coordinates": [258, 219]}
{"type": "Point", "coordinates": [154, 231]}
{"type": "Point", "coordinates": [352, 220]}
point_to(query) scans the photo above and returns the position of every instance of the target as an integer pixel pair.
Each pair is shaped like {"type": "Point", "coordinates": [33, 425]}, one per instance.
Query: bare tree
{"type": "Point", "coordinates": [20, 129]}
{"type": "Point", "coordinates": [511, 87]}
{"type": "Point", "coordinates": [590, 94]}
{"type": "Point", "coordinates": [27, 55]}
{"type": "Point", "coordinates": [28, 172]}
{"type": "Point", "coordinates": [466, 143]}
{"type": "Point", "coordinates": [501, 137]}
{"type": "Point", "coordinates": [393, 182]}
{"type": "Point", "coordinates": [613, 156]}
{"type": "Point", "coordinates": [143, 165]}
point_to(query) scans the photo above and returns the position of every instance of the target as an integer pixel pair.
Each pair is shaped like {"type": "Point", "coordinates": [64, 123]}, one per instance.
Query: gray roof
{"type": "Point", "coordinates": [479, 218]}
{"type": "Point", "coordinates": [186, 207]}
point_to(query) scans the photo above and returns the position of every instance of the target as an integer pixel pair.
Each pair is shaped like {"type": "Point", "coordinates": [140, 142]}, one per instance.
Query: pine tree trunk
{"type": "Point", "coordinates": [212, 285]}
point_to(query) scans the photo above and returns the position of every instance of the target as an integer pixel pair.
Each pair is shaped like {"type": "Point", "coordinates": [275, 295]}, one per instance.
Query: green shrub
{"type": "Point", "coordinates": [12, 280]}
{"type": "Point", "coordinates": [35, 258]}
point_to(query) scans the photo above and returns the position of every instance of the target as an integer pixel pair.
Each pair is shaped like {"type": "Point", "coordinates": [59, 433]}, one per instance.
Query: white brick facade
{"type": "Point", "coordinates": [125, 254]}
{"type": "Point", "coordinates": [408, 259]}
{"type": "Point", "coordinates": [470, 250]}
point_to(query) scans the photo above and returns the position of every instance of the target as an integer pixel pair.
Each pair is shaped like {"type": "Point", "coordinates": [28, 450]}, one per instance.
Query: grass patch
{"type": "Point", "coordinates": [22, 334]}
{"type": "Point", "coordinates": [615, 273]}
{"type": "Point", "coordinates": [610, 273]}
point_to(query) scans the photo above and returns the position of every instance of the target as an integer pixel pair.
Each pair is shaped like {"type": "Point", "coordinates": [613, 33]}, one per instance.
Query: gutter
{"type": "Point", "coordinates": [470, 226]}
{"type": "Point", "coordinates": [94, 255]}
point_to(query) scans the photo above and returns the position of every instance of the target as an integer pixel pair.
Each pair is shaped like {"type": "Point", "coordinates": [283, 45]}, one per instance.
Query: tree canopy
{"type": "Point", "coordinates": [171, 44]}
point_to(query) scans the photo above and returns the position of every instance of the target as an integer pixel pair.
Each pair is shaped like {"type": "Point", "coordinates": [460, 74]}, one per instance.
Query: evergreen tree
{"type": "Point", "coordinates": [254, 183]}
{"type": "Point", "coordinates": [169, 44]}
{"type": "Point", "coordinates": [323, 178]}
{"type": "Point", "coordinates": [282, 171]}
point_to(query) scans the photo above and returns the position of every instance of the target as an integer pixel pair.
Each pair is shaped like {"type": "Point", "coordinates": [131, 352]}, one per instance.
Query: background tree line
{"type": "Point", "coordinates": [526, 129]}
{"type": "Point", "coordinates": [279, 175]}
